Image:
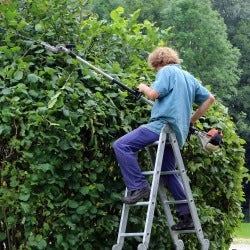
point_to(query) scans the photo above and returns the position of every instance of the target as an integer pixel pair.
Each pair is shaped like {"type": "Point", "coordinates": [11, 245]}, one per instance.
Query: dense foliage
{"type": "Point", "coordinates": [60, 186]}
{"type": "Point", "coordinates": [214, 44]}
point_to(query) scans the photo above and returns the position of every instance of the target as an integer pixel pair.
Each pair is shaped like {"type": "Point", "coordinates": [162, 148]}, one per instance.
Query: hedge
{"type": "Point", "coordinates": [60, 183]}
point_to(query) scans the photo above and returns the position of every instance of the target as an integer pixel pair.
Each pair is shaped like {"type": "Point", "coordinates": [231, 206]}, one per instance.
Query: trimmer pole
{"type": "Point", "coordinates": [113, 80]}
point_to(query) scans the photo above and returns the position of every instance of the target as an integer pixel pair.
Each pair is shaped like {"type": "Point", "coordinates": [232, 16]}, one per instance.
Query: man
{"type": "Point", "coordinates": [174, 92]}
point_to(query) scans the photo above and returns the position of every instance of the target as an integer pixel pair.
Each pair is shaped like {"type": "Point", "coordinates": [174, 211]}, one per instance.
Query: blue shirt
{"type": "Point", "coordinates": [177, 90]}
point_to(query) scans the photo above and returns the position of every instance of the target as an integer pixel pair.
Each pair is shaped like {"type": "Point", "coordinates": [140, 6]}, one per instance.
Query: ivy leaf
{"type": "Point", "coordinates": [81, 210]}
{"type": "Point", "coordinates": [18, 75]}
{"type": "Point", "coordinates": [6, 91]}
{"type": "Point", "coordinates": [33, 78]}
{"type": "Point", "coordinates": [25, 207]}
{"type": "Point", "coordinates": [84, 190]}
{"type": "Point", "coordinates": [24, 196]}
{"type": "Point", "coordinates": [73, 204]}
{"type": "Point", "coordinates": [39, 27]}
{"type": "Point", "coordinates": [64, 144]}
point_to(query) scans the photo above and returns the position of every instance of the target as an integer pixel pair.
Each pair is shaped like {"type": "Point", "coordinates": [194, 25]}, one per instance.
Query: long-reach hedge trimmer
{"type": "Point", "coordinates": [210, 141]}
{"type": "Point", "coordinates": [67, 49]}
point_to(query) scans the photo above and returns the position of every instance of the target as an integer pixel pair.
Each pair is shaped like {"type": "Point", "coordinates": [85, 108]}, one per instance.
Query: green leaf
{"type": "Point", "coordinates": [64, 144]}
{"type": "Point", "coordinates": [25, 207]}
{"type": "Point", "coordinates": [84, 190]}
{"type": "Point", "coordinates": [115, 14]}
{"type": "Point", "coordinates": [39, 27]}
{"type": "Point", "coordinates": [33, 78]}
{"type": "Point", "coordinates": [66, 112]}
{"type": "Point", "coordinates": [72, 204]}
{"type": "Point", "coordinates": [24, 197]}
{"type": "Point", "coordinates": [42, 244]}
{"type": "Point", "coordinates": [81, 210]}
{"type": "Point", "coordinates": [18, 75]}
{"type": "Point", "coordinates": [6, 91]}
{"type": "Point", "coordinates": [53, 100]}
{"type": "Point", "coordinates": [44, 167]}
{"type": "Point", "coordinates": [5, 129]}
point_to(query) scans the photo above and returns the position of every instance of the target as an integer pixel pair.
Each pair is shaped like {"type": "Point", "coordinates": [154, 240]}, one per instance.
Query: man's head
{"type": "Point", "coordinates": [163, 56]}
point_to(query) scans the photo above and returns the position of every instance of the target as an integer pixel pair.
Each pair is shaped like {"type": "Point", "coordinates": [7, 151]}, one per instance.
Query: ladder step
{"type": "Point", "coordinates": [185, 231]}
{"type": "Point", "coordinates": [156, 143]}
{"type": "Point", "coordinates": [140, 203]}
{"type": "Point", "coordinates": [170, 172]}
{"type": "Point", "coordinates": [132, 234]}
{"type": "Point", "coordinates": [162, 172]}
{"type": "Point", "coordinates": [176, 202]}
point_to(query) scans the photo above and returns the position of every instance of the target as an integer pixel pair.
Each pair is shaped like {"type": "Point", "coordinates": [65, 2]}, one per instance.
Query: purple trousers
{"type": "Point", "coordinates": [125, 149]}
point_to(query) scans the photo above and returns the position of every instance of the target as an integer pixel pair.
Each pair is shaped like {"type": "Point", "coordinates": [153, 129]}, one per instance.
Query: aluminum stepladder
{"type": "Point", "coordinates": [166, 136]}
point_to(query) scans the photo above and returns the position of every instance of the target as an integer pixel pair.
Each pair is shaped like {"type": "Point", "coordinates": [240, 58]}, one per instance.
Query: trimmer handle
{"type": "Point", "coordinates": [210, 141]}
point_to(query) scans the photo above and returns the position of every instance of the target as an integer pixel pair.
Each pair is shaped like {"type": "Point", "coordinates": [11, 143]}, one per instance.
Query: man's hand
{"type": "Point", "coordinates": [141, 87]}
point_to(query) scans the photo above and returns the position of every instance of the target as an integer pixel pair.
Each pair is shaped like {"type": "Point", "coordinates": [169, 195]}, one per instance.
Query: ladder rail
{"type": "Point", "coordinates": [185, 182]}
{"type": "Point", "coordinates": [122, 226]}
{"type": "Point", "coordinates": [154, 187]}
{"type": "Point", "coordinates": [177, 242]}
{"type": "Point", "coordinates": [161, 191]}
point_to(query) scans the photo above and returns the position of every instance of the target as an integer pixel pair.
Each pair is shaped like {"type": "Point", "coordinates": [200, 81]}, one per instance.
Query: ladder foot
{"type": "Point", "coordinates": [142, 247]}
{"type": "Point", "coordinates": [205, 244]}
{"type": "Point", "coordinates": [117, 247]}
{"type": "Point", "coordinates": [179, 245]}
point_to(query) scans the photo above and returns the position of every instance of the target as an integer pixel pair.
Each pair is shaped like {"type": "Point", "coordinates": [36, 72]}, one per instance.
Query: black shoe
{"type": "Point", "coordinates": [136, 195]}
{"type": "Point", "coordinates": [185, 223]}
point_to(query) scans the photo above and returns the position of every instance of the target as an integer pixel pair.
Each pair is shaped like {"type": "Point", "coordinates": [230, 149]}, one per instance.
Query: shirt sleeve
{"type": "Point", "coordinates": [201, 94]}
{"type": "Point", "coordinates": [163, 84]}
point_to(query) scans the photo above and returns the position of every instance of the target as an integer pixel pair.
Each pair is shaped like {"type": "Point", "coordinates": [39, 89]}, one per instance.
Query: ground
{"type": "Point", "coordinates": [240, 244]}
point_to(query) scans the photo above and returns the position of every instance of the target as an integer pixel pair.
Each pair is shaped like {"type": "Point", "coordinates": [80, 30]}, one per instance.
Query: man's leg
{"type": "Point", "coordinates": [175, 187]}
{"type": "Point", "coordinates": [125, 149]}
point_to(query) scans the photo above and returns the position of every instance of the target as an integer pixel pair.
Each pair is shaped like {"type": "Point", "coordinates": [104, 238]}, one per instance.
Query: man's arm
{"type": "Point", "coordinates": [202, 109]}
{"type": "Point", "coordinates": [148, 91]}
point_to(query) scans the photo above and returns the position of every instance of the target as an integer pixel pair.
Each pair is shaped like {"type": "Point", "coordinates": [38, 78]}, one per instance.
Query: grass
{"type": "Point", "coordinates": [243, 231]}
